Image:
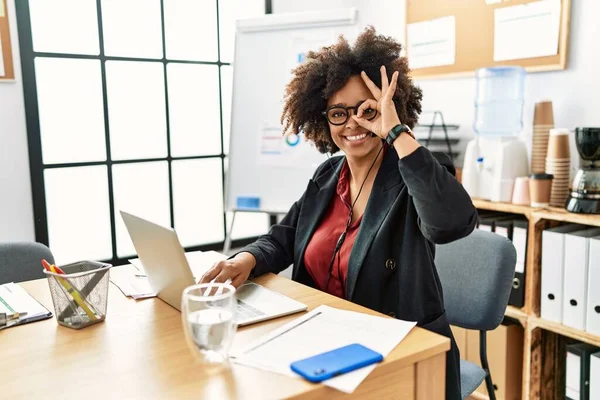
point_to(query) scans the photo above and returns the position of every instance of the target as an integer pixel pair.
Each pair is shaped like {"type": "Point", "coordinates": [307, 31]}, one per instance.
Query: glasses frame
{"type": "Point", "coordinates": [347, 109]}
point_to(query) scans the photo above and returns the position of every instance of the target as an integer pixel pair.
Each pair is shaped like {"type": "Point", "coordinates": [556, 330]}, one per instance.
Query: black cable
{"type": "Point", "coordinates": [343, 235]}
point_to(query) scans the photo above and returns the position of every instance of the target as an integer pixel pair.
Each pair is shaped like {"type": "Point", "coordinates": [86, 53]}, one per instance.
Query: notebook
{"type": "Point", "coordinates": [15, 299]}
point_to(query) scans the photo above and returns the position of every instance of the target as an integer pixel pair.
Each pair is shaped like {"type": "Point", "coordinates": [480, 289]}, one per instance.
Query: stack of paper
{"type": "Point", "coordinates": [324, 329]}
{"type": "Point", "coordinates": [14, 299]}
{"type": "Point", "coordinates": [132, 281]}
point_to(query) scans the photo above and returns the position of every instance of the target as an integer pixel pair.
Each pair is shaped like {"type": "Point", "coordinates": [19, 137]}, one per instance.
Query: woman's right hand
{"type": "Point", "coordinates": [237, 269]}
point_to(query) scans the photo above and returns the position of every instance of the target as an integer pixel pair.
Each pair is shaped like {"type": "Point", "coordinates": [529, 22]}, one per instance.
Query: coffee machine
{"type": "Point", "coordinates": [585, 195]}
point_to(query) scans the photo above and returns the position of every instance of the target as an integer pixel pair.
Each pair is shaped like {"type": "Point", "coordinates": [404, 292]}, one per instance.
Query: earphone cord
{"type": "Point", "coordinates": [343, 235]}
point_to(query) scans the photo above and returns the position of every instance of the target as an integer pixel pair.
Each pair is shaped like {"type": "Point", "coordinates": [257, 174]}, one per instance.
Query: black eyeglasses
{"type": "Point", "coordinates": [338, 115]}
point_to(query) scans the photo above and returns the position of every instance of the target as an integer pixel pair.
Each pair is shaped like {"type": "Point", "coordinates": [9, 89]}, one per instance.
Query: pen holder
{"type": "Point", "coordinates": [80, 294]}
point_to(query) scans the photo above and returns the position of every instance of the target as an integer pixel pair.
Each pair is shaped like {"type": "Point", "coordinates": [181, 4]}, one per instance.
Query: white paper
{"type": "Point", "coordinates": [124, 277]}
{"type": "Point", "coordinates": [199, 262]}
{"type": "Point", "coordinates": [324, 329]}
{"type": "Point", "coordinates": [13, 298]}
{"type": "Point", "coordinates": [132, 280]}
{"type": "Point", "coordinates": [1, 54]}
{"type": "Point", "coordinates": [432, 43]}
{"type": "Point", "coordinates": [526, 30]}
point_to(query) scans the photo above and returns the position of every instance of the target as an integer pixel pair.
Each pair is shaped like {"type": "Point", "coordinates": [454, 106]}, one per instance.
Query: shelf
{"type": "Point", "coordinates": [502, 207]}
{"type": "Point", "coordinates": [450, 127]}
{"type": "Point", "coordinates": [564, 330]}
{"type": "Point", "coordinates": [549, 213]}
{"type": "Point", "coordinates": [560, 214]}
{"type": "Point", "coordinates": [437, 141]}
{"type": "Point", "coordinates": [516, 313]}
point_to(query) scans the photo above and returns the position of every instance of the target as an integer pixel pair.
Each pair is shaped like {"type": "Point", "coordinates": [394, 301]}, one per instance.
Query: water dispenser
{"type": "Point", "coordinates": [496, 156]}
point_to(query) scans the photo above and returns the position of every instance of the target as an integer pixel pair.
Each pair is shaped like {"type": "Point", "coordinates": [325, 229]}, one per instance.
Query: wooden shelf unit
{"type": "Point", "coordinates": [567, 331]}
{"type": "Point", "coordinates": [543, 350]}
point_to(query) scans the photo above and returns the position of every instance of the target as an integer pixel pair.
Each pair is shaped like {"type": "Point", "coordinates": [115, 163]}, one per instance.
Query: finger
{"type": "Point", "coordinates": [223, 276]}
{"type": "Point", "coordinates": [392, 89]}
{"type": "Point", "coordinates": [213, 289]}
{"type": "Point", "coordinates": [384, 80]}
{"type": "Point", "coordinates": [368, 125]}
{"type": "Point", "coordinates": [369, 103]}
{"type": "Point", "coordinates": [239, 280]}
{"type": "Point", "coordinates": [375, 91]}
{"type": "Point", "coordinates": [211, 273]}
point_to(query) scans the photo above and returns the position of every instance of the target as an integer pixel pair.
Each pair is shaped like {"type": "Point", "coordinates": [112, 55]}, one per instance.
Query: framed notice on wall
{"type": "Point", "coordinates": [7, 71]}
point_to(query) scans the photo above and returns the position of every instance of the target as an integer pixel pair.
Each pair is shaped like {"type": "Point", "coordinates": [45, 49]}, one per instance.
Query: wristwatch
{"type": "Point", "coordinates": [395, 132]}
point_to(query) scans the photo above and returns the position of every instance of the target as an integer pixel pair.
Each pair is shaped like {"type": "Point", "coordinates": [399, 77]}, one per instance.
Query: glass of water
{"type": "Point", "coordinates": [208, 312]}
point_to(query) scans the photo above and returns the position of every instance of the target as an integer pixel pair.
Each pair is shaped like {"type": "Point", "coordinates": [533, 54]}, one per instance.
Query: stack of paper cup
{"type": "Point", "coordinates": [543, 121]}
{"type": "Point", "coordinates": [558, 163]}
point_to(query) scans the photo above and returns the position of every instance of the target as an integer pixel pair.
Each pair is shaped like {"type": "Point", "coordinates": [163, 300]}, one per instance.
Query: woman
{"type": "Point", "coordinates": [366, 227]}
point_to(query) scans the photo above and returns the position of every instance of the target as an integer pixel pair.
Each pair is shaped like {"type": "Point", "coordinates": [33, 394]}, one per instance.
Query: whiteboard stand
{"type": "Point", "coordinates": [228, 240]}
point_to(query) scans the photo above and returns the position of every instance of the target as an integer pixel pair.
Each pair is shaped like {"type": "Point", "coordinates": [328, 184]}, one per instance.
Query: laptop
{"type": "Point", "coordinates": [169, 273]}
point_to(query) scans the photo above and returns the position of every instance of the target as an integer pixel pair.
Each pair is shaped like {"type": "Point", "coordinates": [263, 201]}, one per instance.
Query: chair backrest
{"type": "Point", "coordinates": [476, 274]}
{"type": "Point", "coordinates": [21, 261]}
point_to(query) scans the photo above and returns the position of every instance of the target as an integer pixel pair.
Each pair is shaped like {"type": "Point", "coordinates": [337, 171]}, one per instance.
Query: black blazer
{"type": "Point", "coordinates": [415, 203]}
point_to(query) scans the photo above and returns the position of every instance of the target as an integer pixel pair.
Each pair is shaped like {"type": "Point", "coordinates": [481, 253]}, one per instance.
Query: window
{"type": "Point", "coordinates": [128, 105]}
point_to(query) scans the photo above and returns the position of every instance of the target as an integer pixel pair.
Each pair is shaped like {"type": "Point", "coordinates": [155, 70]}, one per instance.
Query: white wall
{"type": "Point", "coordinates": [575, 92]}
{"type": "Point", "coordinates": [16, 208]}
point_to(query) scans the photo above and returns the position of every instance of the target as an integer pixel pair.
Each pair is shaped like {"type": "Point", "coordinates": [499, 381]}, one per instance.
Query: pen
{"type": "Point", "coordinates": [281, 333]}
{"type": "Point", "coordinates": [86, 290]}
{"type": "Point", "coordinates": [4, 318]}
{"type": "Point", "coordinates": [72, 291]}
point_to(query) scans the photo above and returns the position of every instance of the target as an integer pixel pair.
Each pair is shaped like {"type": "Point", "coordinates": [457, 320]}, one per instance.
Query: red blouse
{"type": "Point", "coordinates": [322, 244]}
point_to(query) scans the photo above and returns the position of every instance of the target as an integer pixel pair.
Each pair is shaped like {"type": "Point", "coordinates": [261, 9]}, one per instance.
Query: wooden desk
{"type": "Point", "coordinates": [140, 352]}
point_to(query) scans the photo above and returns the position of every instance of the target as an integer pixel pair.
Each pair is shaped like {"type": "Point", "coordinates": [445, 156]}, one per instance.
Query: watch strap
{"type": "Point", "coordinates": [395, 132]}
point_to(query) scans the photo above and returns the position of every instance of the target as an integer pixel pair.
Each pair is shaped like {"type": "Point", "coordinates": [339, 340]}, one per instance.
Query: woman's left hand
{"type": "Point", "coordinates": [383, 103]}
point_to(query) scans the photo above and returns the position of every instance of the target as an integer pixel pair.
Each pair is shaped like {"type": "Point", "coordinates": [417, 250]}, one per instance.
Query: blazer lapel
{"type": "Point", "coordinates": [318, 197]}
{"type": "Point", "coordinates": [386, 187]}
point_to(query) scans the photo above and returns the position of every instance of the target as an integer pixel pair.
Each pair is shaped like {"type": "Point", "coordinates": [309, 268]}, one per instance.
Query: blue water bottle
{"type": "Point", "coordinates": [499, 101]}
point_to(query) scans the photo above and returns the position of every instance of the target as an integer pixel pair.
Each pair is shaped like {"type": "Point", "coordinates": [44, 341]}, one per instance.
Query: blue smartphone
{"type": "Point", "coordinates": [335, 362]}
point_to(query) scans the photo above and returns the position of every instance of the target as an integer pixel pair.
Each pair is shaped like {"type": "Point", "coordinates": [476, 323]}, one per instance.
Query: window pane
{"type": "Point", "coordinates": [226, 93]}
{"type": "Point", "coordinates": [198, 201]}
{"type": "Point", "coordinates": [194, 113]}
{"type": "Point", "coordinates": [132, 28]}
{"type": "Point", "coordinates": [141, 189]}
{"type": "Point", "coordinates": [78, 213]}
{"type": "Point", "coordinates": [71, 113]}
{"type": "Point", "coordinates": [191, 29]}
{"type": "Point", "coordinates": [136, 109]}
{"type": "Point", "coordinates": [53, 23]}
{"type": "Point", "coordinates": [229, 12]}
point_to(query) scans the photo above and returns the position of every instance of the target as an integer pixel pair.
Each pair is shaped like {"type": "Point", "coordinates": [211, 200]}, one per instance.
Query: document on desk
{"type": "Point", "coordinates": [132, 281]}
{"type": "Point", "coordinates": [15, 299]}
{"type": "Point", "coordinates": [324, 329]}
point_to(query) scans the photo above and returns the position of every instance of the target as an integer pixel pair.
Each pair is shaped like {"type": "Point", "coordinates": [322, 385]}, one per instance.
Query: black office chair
{"type": "Point", "coordinates": [476, 274]}
{"type": "Point", "coordinates": [21, 261]}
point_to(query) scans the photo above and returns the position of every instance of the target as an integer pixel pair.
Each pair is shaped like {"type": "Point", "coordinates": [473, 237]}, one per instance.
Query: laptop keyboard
{"type": "Point", "coordinates": [245, 311]}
